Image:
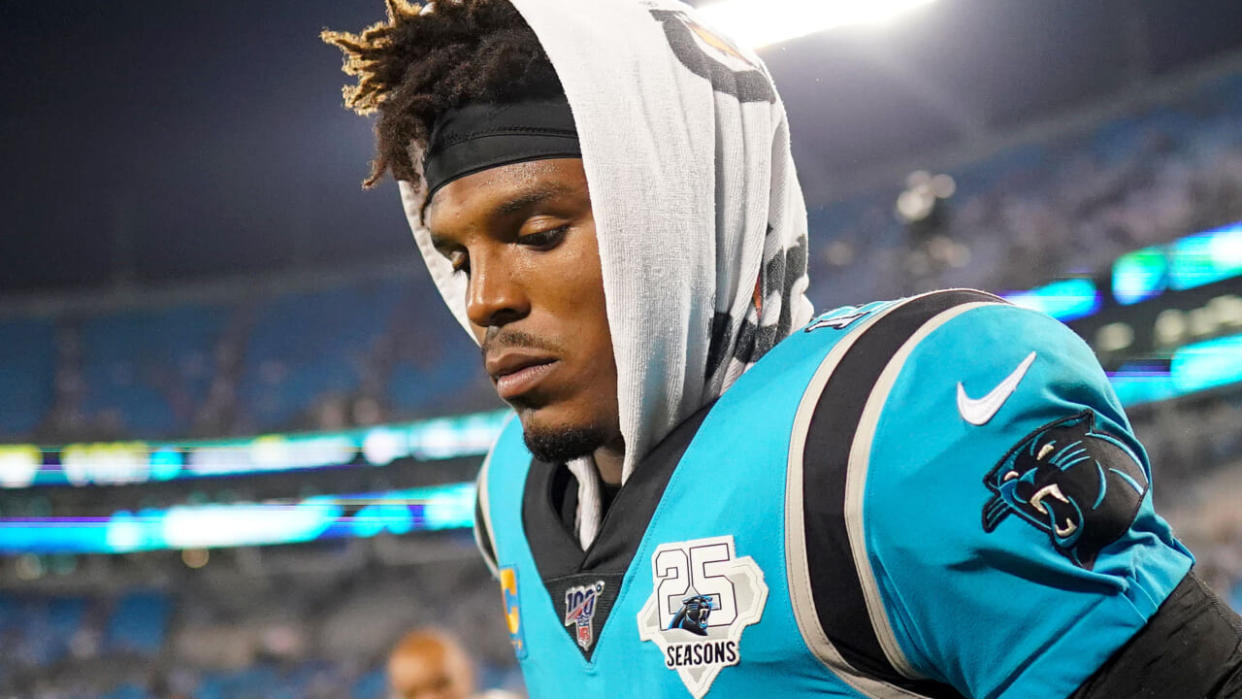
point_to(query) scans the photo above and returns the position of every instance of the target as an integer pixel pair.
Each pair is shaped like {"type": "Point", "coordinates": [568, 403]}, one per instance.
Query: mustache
{"type": "Point", "coordinates": [498, 338]}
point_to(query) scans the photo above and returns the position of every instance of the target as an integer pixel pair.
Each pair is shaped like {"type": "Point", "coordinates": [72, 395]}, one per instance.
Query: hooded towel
{"type": "Point", "coordinates": [700, 219]}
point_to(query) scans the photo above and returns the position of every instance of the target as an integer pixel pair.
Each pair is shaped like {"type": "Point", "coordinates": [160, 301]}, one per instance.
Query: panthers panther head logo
{"type": "Point", "coordinates": [1081, 487]}
{"type": "Point", "coordinates": [693, 615]}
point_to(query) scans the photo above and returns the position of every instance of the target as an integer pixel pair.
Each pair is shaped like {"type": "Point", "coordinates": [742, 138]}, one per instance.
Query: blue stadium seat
{"type": "Point", "coordinates": [138, 623]}
{"type": "Point", "coordinates": [9, 610]}
{"type": "Point", "coordinates": [152, 367]}
{"type": "Point", "coordinates": [373, 685]}
{"type": "Point", "coordinates": [44, 626]}
{"type": "Point", "coordinates": [27, 374]}
{"type": "Point", "coordinates": [260, 682]}
{"type": "Point", "coordinates": [128, 691]}
{"type": "Point", "coordinates": [308, 344]}
{"type": "Point", "coordinates": [413, 390]}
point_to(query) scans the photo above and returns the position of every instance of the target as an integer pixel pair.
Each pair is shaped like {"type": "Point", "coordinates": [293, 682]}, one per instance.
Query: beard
{"type": "Point", "coordinates": [562, 444]}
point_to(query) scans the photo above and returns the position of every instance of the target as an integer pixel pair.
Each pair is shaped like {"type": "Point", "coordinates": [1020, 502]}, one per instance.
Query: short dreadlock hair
{"type": "Point", "coordinates": [425, 60]}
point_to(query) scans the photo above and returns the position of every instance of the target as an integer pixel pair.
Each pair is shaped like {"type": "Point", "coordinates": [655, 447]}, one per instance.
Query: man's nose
{"type": "Point", "coordinates": [495, 295]}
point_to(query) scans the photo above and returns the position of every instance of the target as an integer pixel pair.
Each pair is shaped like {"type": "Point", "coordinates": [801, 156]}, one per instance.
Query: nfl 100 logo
{"type": "Point", "coordinates": [580, 611]}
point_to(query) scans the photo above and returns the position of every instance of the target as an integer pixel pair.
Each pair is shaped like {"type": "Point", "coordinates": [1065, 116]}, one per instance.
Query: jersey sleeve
{"type": "Point", "coordinates": [1010, 542]}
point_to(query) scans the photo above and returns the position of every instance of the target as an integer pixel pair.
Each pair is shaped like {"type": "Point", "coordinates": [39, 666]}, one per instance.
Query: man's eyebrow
{"type": "Point", "coordinates": [529, 198]}
{"type": "Point", "coordinates": [514, 205]}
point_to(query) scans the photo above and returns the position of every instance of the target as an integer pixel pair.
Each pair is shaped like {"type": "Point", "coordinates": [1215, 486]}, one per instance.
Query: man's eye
{"type": "Point", "coordinates": [544, 240]}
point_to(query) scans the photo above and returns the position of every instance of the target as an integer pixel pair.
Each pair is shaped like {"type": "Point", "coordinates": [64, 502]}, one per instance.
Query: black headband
{"type": "Point", "coordinates": [478, 136]}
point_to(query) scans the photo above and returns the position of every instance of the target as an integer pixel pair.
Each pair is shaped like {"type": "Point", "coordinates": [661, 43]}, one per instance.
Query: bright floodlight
{"type": "Point", "coordinates": [759, 23]}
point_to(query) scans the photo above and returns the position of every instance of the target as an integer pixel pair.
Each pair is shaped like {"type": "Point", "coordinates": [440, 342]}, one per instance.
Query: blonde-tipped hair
{"type": "Point", "coordinates": [426, 58]}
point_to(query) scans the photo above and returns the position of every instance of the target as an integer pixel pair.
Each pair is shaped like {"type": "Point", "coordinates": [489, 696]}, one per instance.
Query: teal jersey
{"type": "Point", "coordinates": [936, 496]}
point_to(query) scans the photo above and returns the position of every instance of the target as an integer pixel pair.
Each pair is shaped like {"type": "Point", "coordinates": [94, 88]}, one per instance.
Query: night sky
{"type": "Point", "coordinates": [165, 137]}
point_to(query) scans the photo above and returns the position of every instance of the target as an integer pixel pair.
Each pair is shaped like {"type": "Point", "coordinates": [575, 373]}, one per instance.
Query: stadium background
{"type": "Point", "coordinates": [239, 426]}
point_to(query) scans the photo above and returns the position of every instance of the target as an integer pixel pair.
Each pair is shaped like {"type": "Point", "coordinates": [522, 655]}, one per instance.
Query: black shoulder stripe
{"type": "Point", "coordinates": [835, 582]}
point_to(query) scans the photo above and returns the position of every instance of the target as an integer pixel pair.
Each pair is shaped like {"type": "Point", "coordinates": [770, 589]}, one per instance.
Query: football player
{"type": "Point", "coordinates": [429, 664]}
{"type": "Point", "coordinates": [706, 489]}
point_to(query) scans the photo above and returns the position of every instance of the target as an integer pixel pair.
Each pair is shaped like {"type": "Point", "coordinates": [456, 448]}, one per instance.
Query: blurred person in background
{"type": "Point", "coordinates": [707, 487]}
{"type": "Point", "coordinates": [431, 664]}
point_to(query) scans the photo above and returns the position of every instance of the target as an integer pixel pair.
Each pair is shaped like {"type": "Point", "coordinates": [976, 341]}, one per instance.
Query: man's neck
{"type": "Point", "coordinates": [609, 459]}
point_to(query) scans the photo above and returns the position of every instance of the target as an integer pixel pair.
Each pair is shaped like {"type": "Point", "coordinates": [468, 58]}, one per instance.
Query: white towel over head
{"type": "Point", "coordinates": [700, 219]}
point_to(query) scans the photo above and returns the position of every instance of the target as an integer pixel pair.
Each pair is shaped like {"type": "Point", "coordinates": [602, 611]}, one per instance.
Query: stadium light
{"type": "Point", "coordinates": [759, 23]}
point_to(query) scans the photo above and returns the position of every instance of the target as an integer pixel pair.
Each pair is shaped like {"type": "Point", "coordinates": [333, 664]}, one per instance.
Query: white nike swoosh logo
{"type": "Point", "coordinates": [977, 411]}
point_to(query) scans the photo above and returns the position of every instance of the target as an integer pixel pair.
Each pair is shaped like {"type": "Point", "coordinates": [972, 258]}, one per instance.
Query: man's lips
{"type": "Point", "coordinates": [517, 372]}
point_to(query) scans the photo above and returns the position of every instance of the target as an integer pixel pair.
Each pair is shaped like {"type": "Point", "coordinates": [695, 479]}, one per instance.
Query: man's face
{"type": "Point", "coordinates": [428, 670]}
{"type": "Point", "coordinates": [525, 237]}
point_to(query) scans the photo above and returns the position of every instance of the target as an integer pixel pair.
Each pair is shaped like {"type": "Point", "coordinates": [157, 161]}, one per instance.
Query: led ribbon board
{"type": "Point", "coordinates": [1186, 263]}
{"type": "Point", "coordinates": [244, 524]}
{"type": "Point", "coordinates": [1195, 367]}
{"type": "Point", "coordinates": [1065, 300]}
{"type": "Point", "coordinates": [112, 463]}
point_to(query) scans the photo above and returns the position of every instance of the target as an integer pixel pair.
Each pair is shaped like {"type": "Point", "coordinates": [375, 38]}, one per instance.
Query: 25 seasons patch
{"type": "Point", "coordinates": [704, 596]}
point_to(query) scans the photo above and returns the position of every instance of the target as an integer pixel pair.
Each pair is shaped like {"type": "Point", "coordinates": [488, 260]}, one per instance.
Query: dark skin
{"type": "Point", "coordinates": [429, 665]}
{"type": "Point", "coordinates": [525, 236]}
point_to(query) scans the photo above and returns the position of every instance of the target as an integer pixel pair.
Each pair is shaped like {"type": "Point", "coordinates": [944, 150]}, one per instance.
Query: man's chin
{"type": "Point", "coordinates": [560, 443]}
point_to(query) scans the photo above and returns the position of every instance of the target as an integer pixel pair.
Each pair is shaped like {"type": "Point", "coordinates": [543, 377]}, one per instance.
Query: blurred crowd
{"type": "Point", "coordinates": [1195, 448]}
{"type": "Point", "coordinates": [359, 354]}
{"type": "Point", "coordinates": [1189, 438]}
{"type": "Point", "coordinates": [1018, 218]}
{"type": "Point", "coordinates": [303, 627]}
